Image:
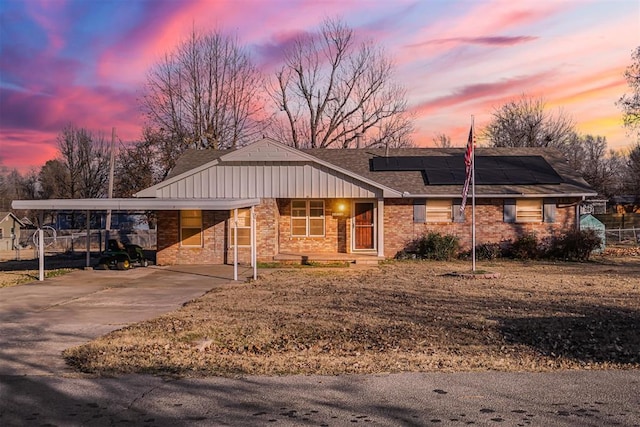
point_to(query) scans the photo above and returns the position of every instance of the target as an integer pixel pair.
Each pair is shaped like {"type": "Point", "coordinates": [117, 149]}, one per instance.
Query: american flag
{"type": "Point", "coordinates": [468, 164]}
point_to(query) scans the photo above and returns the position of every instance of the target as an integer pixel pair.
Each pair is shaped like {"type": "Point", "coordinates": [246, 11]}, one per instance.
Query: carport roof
{"type": "Point", "coordinates": [134, 204]}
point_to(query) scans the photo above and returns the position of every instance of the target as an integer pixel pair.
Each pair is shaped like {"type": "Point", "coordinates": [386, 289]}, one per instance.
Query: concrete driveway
{"type": "Point", "coordinates": [40, 319]}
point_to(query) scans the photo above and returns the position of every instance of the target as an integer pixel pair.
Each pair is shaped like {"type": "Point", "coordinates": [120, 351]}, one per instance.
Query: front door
{"type": "Point", "coordinates": [363, 225]}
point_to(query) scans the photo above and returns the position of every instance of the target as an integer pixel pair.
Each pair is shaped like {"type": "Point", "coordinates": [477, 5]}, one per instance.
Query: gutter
{"type": "Point", "coordinates": [499, 196]}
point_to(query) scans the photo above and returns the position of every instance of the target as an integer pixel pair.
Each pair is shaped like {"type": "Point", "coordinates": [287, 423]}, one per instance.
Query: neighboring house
{"type": "Point", "coordinates": [356, 201]}
{"type": "Point", "coordinates": [10, 227]}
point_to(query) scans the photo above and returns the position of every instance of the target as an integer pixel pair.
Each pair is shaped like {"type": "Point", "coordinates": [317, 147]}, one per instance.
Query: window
{"type": "Point", "coordinates": [529, 210]}
{"type": "Point", "coordinates": [439, 210]}
{"type": "Point", "coordinates": [244, 227]}
{"type": "Point", "coordinates": [307, 218]}
{"type": "Point", "coordinates": [191, 228]}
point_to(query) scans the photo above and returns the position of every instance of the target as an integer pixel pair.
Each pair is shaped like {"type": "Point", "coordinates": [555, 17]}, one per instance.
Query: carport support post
{"type": "Point", "coordinates": [254, 249]}
{"type": "Point", "coordinates": [40, 253]}
{"type": "Point", "coordinates": [40, 246]}
{"type": "Point", "coordinates": [235, 244]}
{"type": "Point", "coordinates": [88, 238]}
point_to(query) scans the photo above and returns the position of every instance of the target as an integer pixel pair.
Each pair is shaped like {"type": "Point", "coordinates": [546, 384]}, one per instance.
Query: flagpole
{"type": "Point", "coordinates": [473, 198]}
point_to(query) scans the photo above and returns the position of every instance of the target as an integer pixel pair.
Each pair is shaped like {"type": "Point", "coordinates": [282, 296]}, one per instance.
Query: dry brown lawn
{"type": "Point", "coordinates": [400, 316]}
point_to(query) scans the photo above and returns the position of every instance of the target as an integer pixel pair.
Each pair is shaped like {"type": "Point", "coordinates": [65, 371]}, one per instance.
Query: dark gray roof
{"type": "Point", "coordinates": [413, 182]}
{"type": "Point", "coordinates": [192, 158]}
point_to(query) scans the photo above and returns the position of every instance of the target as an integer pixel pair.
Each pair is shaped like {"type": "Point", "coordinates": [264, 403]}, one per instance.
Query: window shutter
{"type": "Point", "coordinates": [549, 212]}
{"type": "Point", "coordinates": [457, 215]}
{"type": "Point", "coordinates": [419, 211]}
{"type": "Point", "coordinates": [509, 210]}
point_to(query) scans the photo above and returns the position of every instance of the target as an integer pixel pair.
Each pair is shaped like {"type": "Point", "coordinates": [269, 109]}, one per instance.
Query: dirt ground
{"type": "Point", "coordinates": [399, 316]}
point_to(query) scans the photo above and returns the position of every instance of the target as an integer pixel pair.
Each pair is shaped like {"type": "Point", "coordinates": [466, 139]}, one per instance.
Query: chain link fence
{"type": "Point", "coordinates": [70, 241]}
{"type": "Point", "coordinates": [623, 235]}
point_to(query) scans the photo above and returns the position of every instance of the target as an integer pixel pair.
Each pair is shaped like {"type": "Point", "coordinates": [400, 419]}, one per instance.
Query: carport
{"type": "Point", "coordinates": [148, 204]}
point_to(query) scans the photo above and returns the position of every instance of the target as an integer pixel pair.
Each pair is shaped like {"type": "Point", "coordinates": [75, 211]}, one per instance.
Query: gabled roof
{"type": "Point", "coordinates": [5, 215]}
{"type": "Point", "coordinates": [357, 163]}
{"type": "Point", "coordinates": [265, 150]}
{"type": "Point", "coordinates": [413, 182]}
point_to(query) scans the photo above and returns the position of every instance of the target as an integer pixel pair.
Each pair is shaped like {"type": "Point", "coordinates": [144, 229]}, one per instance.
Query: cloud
{"type": "Point", "coordinates": [22, 150]}
{"type": "Point", "coordinates": [37, 71]}
{"type": "Point", "coordinates": [487, 40]}
{"type": "Point", "coordinates": [478, 91]}
{"type": "Point", "coordinates": [30, 121]}
{"type": "Point", "coordinates": [498, 17]}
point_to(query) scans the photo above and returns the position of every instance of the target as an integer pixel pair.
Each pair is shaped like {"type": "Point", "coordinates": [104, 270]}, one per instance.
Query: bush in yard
{"type": "Point", "coordinates": [434, 246]}
{"type": "Point", "coordinates": [525, 247]}
{"type": "Point", "coordinates": [488, 251]}
{"type": "Point", "coordinates": [575, 245]}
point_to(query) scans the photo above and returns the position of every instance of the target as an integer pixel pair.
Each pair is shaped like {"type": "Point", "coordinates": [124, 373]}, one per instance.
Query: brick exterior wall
{"type": "Point", "coordinates": [490, 228]}
{"type": "Point", "coordinates": [267, 223]}
{"type": "Point", "coordinates": [336, 229]}
{"type": "Point", "coordinates": [170, 251]}
{"type": "Point", "coordinates": [273, 231]}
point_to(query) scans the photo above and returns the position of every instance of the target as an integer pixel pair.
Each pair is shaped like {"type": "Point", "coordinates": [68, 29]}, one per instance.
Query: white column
{"type": "Point", "coordinates": [254, 244]}
{"type": "Point", "coordinates": [41, 253]}
{"type": "Point", "coordinates": [380, 225]}
{"type": "Point", "coordinates": [88, 238]}
{"type": "Point", "coordinates": [235, 244]}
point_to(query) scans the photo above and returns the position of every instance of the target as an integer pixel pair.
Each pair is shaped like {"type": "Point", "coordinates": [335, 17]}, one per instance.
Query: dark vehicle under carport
{"type": "Point", "coordinates": [122, 256]}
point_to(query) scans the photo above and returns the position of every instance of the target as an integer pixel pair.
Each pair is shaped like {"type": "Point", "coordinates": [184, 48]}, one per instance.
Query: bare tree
{"type": "Point", "coordinates": [633, 172]}
{"type": "Point", "coordinates": [442, 140]}
{"type": "Point", "coordinates": [603, 170]}
{"type": "Point", "coordinates": [525, 122]}
{"type": "Point", "coordinates": [335, 92]}
{"type": "Point", "coordinates": [11, 187]}
{"type": "Point", "coordinates": [54, 178]}
{"type": "Point", "coordinates": [204, 94]}
{"type": "Point", "coordinates": [630, 103]}
{"type": "Point", "coordinates": [136, 168]}
{"type": "Point", "coordinates": [86, 159]}
{"type": "Point", "coordinates": [17, 186]}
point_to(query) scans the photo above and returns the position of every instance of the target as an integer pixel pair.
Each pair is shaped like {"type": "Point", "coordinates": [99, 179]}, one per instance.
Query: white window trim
{"type": "Point", "coordinates": [232, 225]}
{"type": "Point", "coordinates": [530, 212]}
{"type": "Point", "coordinates": [307, 219]}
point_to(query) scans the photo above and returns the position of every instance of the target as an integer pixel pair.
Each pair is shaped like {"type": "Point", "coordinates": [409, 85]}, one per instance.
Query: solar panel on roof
{"type": "Point", "coordinates": [490, 170]}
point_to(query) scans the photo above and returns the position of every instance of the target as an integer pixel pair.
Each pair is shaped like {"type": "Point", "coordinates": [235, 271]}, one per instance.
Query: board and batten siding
{"type": "Point", "coordinates": [271, 180]}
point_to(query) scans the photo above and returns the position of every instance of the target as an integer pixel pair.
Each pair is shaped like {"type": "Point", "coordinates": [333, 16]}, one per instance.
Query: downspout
{"type": "Point", "coordinates": [578, 213]}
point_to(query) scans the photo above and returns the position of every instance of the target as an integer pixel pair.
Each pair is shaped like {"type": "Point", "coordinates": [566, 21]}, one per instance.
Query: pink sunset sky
{"type": "Point", "coordinates": [84, 62]}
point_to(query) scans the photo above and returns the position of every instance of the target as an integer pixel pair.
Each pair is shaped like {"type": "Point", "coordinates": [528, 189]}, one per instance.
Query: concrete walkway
{"type": "Point", "coordinates": [40, 319]}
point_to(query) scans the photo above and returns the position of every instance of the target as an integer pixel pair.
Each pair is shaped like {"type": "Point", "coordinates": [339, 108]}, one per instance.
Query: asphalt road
{"type": "Point", "coordinates": [39, 320]}
{"type": "Point", "coordinates": [604, 398]}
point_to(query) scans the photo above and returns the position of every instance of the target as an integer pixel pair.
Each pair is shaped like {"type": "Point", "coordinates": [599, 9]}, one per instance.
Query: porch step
{"type": "Point", "coordinates": [361, 259]}
{"type": "Point", "coordinates": [367, 261]}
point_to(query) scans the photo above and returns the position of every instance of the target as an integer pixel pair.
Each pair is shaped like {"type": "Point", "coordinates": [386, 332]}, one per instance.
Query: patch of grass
{"type": "Point", "coordinates": [401, 316]}
{"type": "Point", "coordinates": [14, 278]}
